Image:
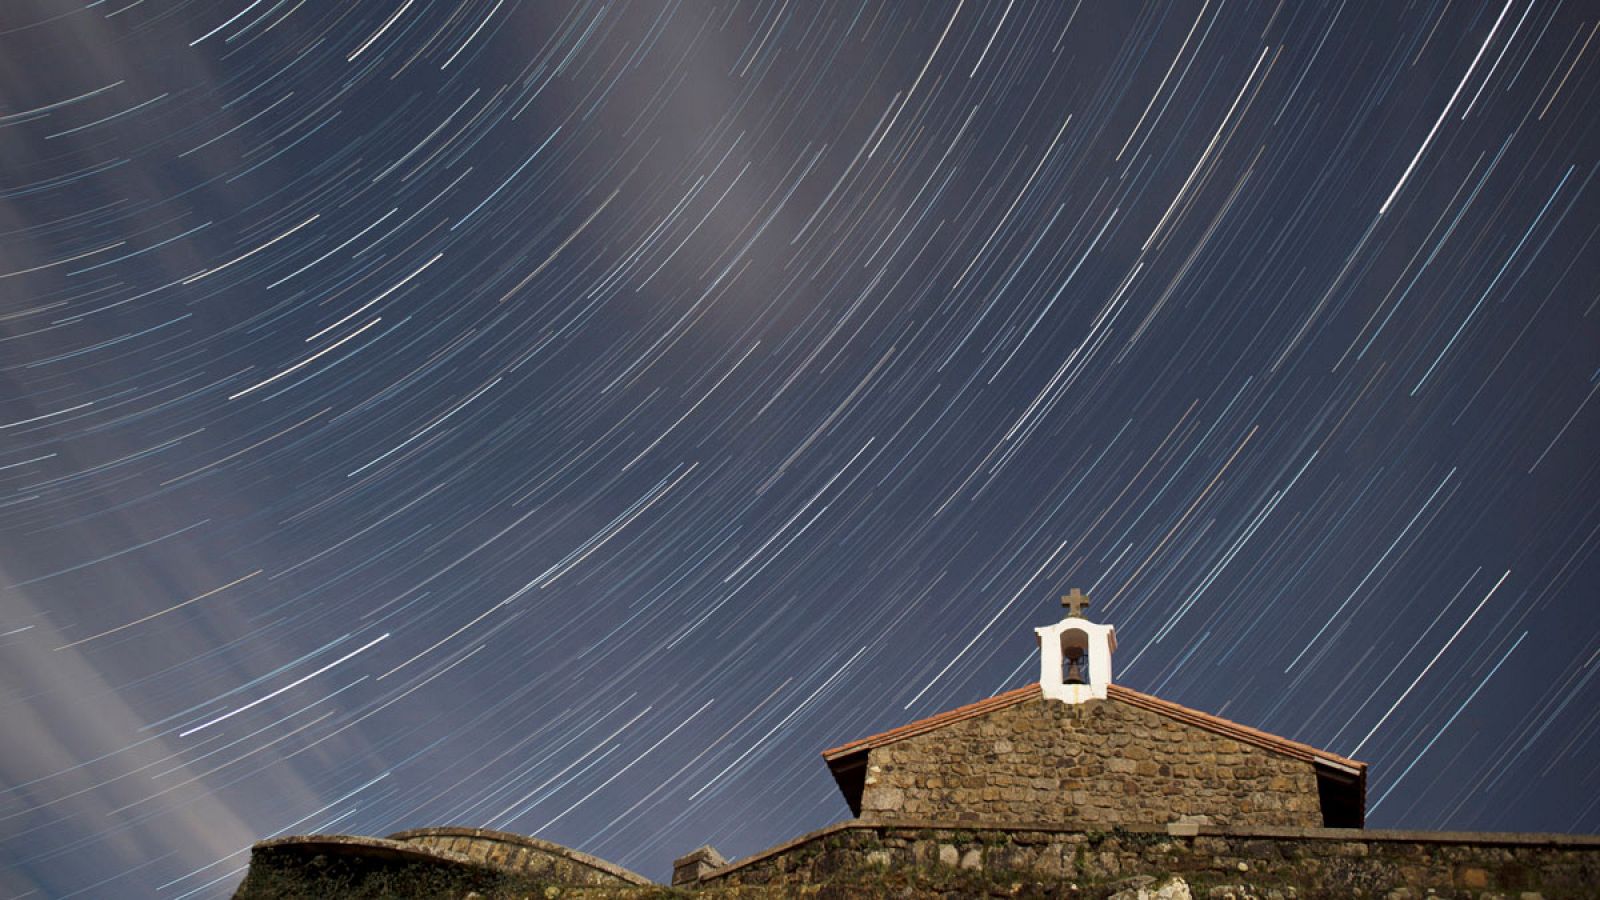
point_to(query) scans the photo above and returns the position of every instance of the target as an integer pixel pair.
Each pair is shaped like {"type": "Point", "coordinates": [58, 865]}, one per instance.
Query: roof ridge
{"type": "Point", "coordinates": [934, 722]}
{"type": "Point", "coordinates": [1177, 711]}
{"type": "Point", "coordinates": [1228, 727]}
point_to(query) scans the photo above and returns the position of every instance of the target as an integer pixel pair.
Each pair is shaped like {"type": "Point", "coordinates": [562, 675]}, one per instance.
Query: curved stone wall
{"type": "Point", "coordinates": [337, 865]}
{"type": "Point", "coordinates": [528, 856]}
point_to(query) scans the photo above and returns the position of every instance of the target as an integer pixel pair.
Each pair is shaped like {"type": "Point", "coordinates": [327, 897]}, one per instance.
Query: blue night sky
{"type": "Point", "coordinates": [569, 418]}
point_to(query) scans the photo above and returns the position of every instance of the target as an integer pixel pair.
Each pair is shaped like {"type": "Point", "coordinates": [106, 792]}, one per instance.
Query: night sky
{"type": "Point", "coordinates": [569, 419]}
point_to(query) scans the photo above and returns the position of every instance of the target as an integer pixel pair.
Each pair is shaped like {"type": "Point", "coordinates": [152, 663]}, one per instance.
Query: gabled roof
{"type": "Point", "coordinates": [844, 754]}
{"type": "Point", "coordinates": [932, 723]}
{"type": "Point", "coordinates": [1341, 782]}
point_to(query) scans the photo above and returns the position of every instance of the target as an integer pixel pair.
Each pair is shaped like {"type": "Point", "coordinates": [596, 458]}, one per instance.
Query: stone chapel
{"type": "Point", "coordinates": [1078, 749]}
{"type": "Point", "coordinates": [1068, 784]}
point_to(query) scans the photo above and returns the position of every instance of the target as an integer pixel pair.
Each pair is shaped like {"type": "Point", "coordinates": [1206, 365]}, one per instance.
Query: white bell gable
{"type": "Point", "coordinates": [1056, 643]}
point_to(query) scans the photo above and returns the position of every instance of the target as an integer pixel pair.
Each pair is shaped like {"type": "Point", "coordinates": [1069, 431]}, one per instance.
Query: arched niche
{"type": "Point", "coordinates": [1056, 642]}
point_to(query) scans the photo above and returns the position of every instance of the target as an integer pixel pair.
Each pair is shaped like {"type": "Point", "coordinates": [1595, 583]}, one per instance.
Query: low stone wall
{"type": "Point", "coordinates": [528, 856]}
{"type": "Point", "coordinates": [353, 868]}
{"type": "Point", "coordinates": [425, 863]}
{"type": "Point", "coordinates": [1214, 861]}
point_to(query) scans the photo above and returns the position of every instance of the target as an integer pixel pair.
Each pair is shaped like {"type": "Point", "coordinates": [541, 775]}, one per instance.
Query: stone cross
{"type": "Point", "coordinates": [1075, 602]}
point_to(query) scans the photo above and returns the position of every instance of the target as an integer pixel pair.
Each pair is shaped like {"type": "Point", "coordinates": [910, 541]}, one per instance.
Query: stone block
{"type": "Point", "coordinates": [690, 868]}
{"type": "Point", "coordinates": [887, 798]}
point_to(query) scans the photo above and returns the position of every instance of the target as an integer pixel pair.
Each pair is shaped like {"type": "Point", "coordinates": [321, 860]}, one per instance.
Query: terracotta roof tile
{"type": "Point", "coordinates": [1184, 714]}
{"type": "Point", "coordinates": [1228, 728]}
{"type": "Point", "coordinates": [982, 707]}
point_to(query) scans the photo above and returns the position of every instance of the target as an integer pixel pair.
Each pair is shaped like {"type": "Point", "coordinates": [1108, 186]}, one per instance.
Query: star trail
{"type": "Point", "coordinates": [569, 418]}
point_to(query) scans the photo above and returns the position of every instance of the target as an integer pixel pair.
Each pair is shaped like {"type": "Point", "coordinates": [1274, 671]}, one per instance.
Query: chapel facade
{"type": "Point", "coordinates": [1076, 749]}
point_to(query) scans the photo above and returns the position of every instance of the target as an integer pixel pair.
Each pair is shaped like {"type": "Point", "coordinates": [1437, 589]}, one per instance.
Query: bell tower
{"type": "Point", "coordinates": [1075, 654]}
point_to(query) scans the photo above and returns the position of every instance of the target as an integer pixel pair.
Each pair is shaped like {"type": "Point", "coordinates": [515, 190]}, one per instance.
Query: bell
{"type": "Point", "coordinates": [1075, 667]}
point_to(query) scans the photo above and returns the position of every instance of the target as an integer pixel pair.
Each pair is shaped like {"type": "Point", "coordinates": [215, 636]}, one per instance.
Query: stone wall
{"type": "Point", "coordinates": [356, 868]}
{"type": "Point", "coordinates": [1099, 764]}
{"type": "Point", "coordinates": [919, 859]}
{"type": "Point", "coordinates": [425, 863]}
{"type": "Point", "coordinates": [529, 856]}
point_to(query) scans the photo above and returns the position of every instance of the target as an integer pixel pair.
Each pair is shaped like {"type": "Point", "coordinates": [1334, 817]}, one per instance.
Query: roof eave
{"type": "Point", "coordinates": [1175, 711]}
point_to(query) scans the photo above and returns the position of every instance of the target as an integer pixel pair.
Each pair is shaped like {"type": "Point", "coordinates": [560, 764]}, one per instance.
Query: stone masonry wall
{"type": "Point", "coordinates": [1093, 765]}
{"type": "Point", "coordinates": [424, 863]}
{"type": "Point", "coordinates": [929, 859]}
{"type": "Point", "coordinates": [521, 854]}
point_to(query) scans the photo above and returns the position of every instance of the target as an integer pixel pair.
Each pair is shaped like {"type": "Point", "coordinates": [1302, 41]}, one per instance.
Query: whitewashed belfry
{"type": "Point", "coordinates": [1075, 654]}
